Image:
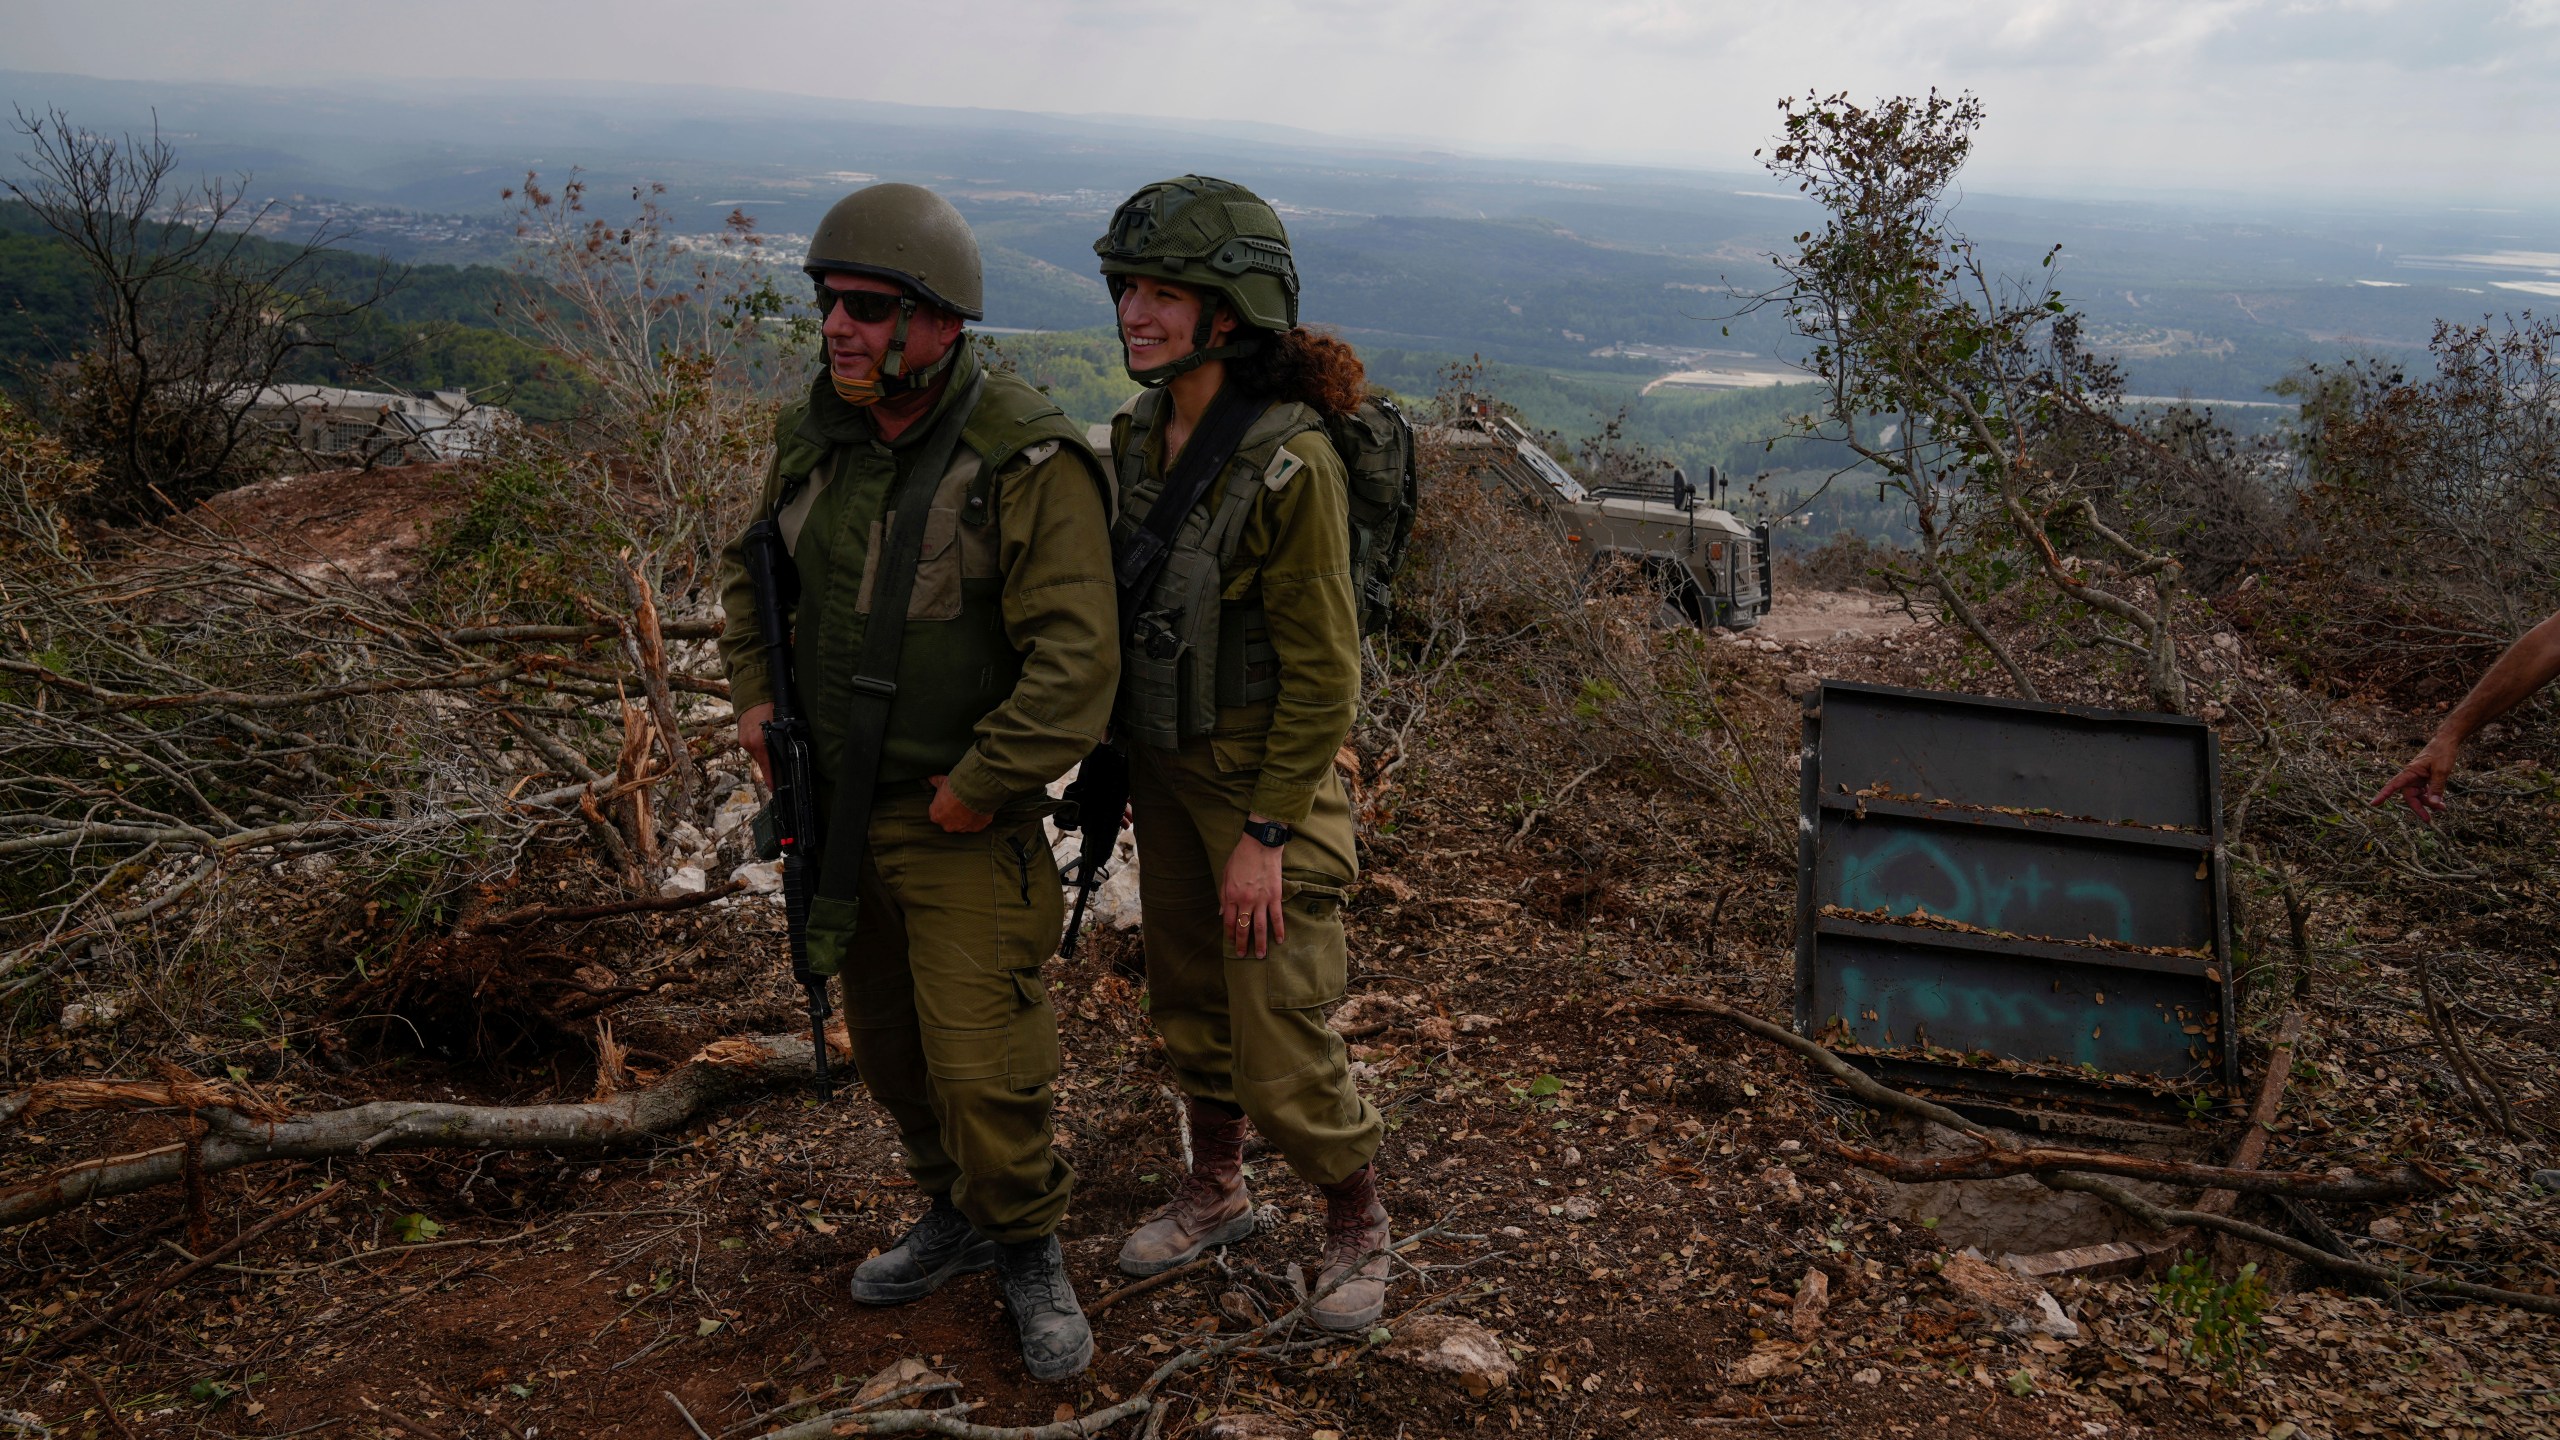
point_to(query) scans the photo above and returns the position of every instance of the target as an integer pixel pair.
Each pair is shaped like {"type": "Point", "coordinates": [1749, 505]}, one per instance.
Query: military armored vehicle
{"type": "Point", "coordinates": [1709, 567]}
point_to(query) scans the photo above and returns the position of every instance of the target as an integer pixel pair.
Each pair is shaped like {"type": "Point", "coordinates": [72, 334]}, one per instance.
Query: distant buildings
{"type": "Point", "coordinates": [368, 427]}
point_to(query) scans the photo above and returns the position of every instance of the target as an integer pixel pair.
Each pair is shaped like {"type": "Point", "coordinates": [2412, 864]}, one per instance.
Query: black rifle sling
{"type": "Point", "coordinates": [1204, 457]}
{"type": "Point", "coordinates": [875, 681]}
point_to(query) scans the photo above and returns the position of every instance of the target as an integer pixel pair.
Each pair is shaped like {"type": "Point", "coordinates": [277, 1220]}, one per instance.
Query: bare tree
{"type": "Point", "coordinates": [196, 315]}
{"type": "Point", "coordinates": [671, 329]}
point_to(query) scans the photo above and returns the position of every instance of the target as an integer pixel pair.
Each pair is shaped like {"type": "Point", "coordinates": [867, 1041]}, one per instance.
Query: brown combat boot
{"type": "Point", "coordinates": [1212, 1208]}
{"type": "Point", "coordinates": [1355, 1241]}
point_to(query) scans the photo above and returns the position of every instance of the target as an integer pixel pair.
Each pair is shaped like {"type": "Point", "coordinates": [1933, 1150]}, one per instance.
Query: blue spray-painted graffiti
{"type": "Point", "coordinates": [1910, 872]}
{"type": "Point", "coordinates": [2117, 1039]}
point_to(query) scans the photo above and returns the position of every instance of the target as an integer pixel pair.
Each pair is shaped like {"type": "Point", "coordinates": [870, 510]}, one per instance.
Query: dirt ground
{"type": "Point", "coordinates": [1632, 1200]}
{"type": "Point", "coordinates": [368, 523]}
{"type": "Point", "coordinates": [1829, 617]}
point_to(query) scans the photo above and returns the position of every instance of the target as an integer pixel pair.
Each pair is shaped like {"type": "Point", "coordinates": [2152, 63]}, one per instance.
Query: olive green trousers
{"type": "Point", "coordinates": [952, 1030]}
{"type": "Point", "coordinates": [1239, 1030]}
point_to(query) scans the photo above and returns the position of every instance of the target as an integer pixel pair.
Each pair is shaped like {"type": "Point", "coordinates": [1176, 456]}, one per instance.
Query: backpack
{"type": "Point", "coordinates": [1376, 446]}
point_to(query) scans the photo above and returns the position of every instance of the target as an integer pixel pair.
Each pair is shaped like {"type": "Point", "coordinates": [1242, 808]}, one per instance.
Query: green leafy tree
{"type": "Point", "coordinates": [1968, 391]}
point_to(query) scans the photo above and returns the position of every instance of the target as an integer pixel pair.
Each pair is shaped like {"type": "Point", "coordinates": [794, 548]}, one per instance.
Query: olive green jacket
{"type": "Point", "coordinates": [1015, 590]}
{"type": "Point", "coordinates": [1295, 558]}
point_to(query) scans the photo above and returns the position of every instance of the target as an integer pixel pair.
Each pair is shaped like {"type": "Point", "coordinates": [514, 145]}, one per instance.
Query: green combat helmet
{"type": "Point", "coordinates": [1218, 238]}
{"type": "Point", "coordinates": [913, 237]}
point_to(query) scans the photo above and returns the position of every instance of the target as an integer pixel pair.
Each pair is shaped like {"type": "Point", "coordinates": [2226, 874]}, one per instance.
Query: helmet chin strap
{"type": "Point", "coordinates": [1202, 352]}
{"type": "Point", "coordinates": [892, 378]}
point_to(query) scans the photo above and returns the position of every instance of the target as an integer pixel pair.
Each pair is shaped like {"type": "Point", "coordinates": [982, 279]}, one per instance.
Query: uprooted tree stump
{"type": "Point", "coordinates": [239, 1132]}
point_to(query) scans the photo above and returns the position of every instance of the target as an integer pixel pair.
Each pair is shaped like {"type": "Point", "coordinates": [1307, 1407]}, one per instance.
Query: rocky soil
{"type": "Point", "coordinates": [1639, 1227]}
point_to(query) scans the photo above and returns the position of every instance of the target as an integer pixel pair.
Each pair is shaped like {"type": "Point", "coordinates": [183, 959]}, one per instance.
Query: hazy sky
{"type": "Point", "coordinates": [2426, 98]}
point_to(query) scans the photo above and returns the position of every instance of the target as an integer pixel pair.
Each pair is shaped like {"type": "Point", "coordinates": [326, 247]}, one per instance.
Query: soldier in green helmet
{"type": "Point", "coordinates": [1004, 674]}
{"type": "Point", "coordinates": [1240, 670]}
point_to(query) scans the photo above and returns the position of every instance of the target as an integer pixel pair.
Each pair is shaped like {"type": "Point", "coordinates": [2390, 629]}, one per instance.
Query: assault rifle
{"type": "Point", "coordinates": [1096, 799]}
{"type": "Point", "coordinates": [793, 815]}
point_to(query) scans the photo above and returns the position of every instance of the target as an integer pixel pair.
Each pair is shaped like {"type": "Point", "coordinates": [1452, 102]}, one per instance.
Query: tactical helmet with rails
{"type": "Point", "coordinates": [1216, 237]}
{"type": "Point", "coordinates": [913, 238]}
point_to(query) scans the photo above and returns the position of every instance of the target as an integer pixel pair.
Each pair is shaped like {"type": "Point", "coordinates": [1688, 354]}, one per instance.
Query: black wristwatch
{"type": "Point", "coordinates": [1270, 832]}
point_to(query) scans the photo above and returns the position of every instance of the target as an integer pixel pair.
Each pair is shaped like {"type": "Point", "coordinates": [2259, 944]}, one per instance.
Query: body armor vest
{"type": "Point", "coordinates": [956, 663]}
{"type": "Point", "coordinates": [1191, 651]}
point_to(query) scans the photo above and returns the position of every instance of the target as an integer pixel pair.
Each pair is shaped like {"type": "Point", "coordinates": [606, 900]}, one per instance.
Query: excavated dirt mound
{"type": "Point", "coordinates": [369, 523]}
{"type": "Point", "coordinates": [1831, 617]}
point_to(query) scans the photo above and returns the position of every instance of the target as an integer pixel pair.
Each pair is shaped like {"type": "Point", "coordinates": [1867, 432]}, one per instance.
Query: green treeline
{"type": "Point", "coordinates": [439, 327]}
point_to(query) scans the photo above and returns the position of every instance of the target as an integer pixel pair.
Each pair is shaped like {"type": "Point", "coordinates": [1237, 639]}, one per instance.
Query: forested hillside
{"type": "Point", "coordinates": [439, 327]}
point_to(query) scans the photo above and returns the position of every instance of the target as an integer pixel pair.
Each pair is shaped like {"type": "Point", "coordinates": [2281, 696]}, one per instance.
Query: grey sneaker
{"type": "Point", "coordinates": [941, 1245]}
{"type": "Point", "coordinates": [1056, 1341]}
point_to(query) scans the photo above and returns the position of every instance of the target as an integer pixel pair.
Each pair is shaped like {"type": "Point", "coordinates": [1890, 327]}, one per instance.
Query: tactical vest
{"type": "Point", "coordinates": [1191, 651]}
{"type": "Point", "coordinates": [956, 663]}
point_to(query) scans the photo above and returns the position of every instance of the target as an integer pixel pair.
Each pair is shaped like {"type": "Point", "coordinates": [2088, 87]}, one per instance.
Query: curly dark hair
{"type": "Point", "coordinates": [1307, 366]}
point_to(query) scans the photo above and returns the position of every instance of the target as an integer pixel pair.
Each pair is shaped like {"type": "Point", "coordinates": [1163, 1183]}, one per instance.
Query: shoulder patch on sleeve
{"type": "Point", "coordinates": [1283, 467]}
{"type": "Point", "coordinates": [1041, 452]}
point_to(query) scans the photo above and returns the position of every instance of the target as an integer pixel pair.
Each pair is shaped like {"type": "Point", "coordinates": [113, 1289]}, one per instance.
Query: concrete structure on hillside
{"type": "Point", "coordinates": [370, 427]}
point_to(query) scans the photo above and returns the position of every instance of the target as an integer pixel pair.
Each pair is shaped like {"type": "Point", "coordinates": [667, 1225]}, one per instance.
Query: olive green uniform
{"type": "Point", "coordinates": [1268, 714]}
{"type": "Point", "coordinates": [1005, 680]}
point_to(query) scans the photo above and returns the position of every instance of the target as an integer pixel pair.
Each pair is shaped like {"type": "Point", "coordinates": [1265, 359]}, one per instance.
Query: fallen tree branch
{"type": "Point", "coordinates": [180, 1091]}
{"type": "Point", "coordinates": [1859, 1082]}
{"type": "Point", "coordinates": [723, 1071]}
{"type": "Point", "coordinates": [1541, 812]}
{"type": "Point", "coordinates": [951, 1421]}
{"type": "Point", "coordinates": [62, 944]}
{"type": "Point", "coordinates": [192, 1268]}
{"type": "Point", "coordinates": [1156, 1281]}
{"type": "Point", "coordinates": [119, 700]}
{"type": "Point", "coordinates": [902, 1392]}
{"type": "Point", "coordinates": [2262, 1112]}
{"type": "Point", "coordinates": [487, 634]}
{"type": "Point", "coordinates": [2407, 1281]}
{"type": "Point", "coordinates": [549, 915]}
{"type": "Point", "coordinates": [1998, 1157]}
{"type": "Point", "coordinates": [1993, 1164]}
{"type": "Point", "coordinates": [2143, 1210]}
{"type": "Point", "coordinates": [2121, 1256]}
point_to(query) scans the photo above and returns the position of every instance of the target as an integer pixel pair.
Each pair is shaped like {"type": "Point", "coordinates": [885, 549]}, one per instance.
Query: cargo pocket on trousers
{"type": "Point", "coordinates": [1031, 1048]}
{"type": "Point", "coordinates": [1307, 970]}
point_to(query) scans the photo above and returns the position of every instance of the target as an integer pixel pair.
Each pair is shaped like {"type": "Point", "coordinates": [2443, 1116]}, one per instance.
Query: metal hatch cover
{"type": "Point", "coordinates": [2020, 900]}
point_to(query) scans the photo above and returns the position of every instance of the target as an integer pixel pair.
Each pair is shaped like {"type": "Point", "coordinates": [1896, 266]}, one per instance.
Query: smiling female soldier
{"type": "Point", "coordinates": [1240, 670]}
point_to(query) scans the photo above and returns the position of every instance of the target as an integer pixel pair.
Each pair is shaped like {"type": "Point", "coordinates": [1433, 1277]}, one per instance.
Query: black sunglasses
{"type": "Point", "coordinates": [867, 306]}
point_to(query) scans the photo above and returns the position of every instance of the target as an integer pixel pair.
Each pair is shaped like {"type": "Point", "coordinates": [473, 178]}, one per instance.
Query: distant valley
{"type": "Point", "coordinates": [1587, 288]}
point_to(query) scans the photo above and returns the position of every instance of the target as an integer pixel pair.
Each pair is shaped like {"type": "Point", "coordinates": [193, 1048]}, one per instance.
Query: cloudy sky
{"type": "Point", "coordinates": [2439, 100]}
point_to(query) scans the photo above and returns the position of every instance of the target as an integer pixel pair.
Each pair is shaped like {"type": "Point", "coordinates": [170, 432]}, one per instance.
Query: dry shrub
{"type": "Point", "coordinates": [1497, 617]}
{"type": "Point", "coordinates": [1846, 561]}
{"type": "Point", "coordinates": [40, 485]}
{"type": "Point", "coordinates": [232, 763]}
{"type": "Point", "coordinates": [2435, 507]}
